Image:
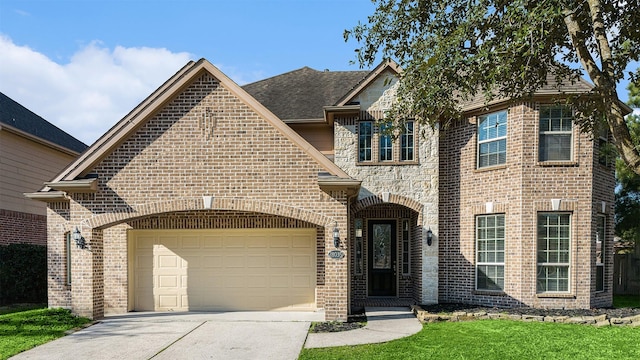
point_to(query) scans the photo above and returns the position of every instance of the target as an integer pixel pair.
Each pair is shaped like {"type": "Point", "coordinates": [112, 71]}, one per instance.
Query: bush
{"type": "Point", "coordinates": [23, 274]}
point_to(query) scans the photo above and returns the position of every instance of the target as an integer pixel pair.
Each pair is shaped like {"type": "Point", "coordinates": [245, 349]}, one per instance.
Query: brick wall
{"type": "Point", "coordinates": [519, 189]}
{"type": "Point", "coordinates": [204, 142]}
{"type": "Point", "coordinates": [22, 228]}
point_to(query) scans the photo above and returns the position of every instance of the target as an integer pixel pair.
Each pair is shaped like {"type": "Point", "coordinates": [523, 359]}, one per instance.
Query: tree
{"type": "Point", "coordinates": [628, 192]}
{"type": "Point", "coordinates": [453, 50]}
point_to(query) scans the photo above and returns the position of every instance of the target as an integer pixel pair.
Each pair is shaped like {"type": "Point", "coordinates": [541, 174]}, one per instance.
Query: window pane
{"type": "Point", "coordinates": [490, 252]}
{"type": "Point", "coordinates": [553, 249]}
{"type": "Point", "coordinates": [556, 124]}
{"type": "Point", "coordinates": [364, 141]}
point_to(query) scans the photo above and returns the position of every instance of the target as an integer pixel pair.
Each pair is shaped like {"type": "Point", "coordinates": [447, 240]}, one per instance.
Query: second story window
{"type": "Point", "coordinates": [556, 129]}
{"type": "Point", "coordinates": [386, 144]}
{"type": "Point", "coordinates": [492, 139]}
{"type": "Point", "coordinates": [406, 142]}
{"type": "Point", "coordinates": [365, 135]}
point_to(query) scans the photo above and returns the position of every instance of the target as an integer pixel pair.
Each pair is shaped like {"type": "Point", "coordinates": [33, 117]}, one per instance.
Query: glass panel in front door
{"type": "Point", "coordinates": [382, 246]}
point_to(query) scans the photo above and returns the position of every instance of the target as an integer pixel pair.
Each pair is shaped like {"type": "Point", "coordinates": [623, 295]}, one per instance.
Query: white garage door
{"type": "Point", "coordinates": [238, 269]}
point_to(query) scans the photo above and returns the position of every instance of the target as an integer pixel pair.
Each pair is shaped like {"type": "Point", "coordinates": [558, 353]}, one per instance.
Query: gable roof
{"type": "Point", "coordinates": [15, 116]}
{"type": "Point", "coordinates": [156, 101]}
{"type": "Point", "coordinates": [301, 94]}
{"type": "Point", "coordinates": [366, 81]}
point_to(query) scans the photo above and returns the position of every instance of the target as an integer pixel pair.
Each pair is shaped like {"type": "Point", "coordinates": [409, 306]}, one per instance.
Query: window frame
{"type": "Point", "coordinates": [601, 238]}
{"type": "Point", "coordinates": [494, 240]}
{"type": "Point", "coordinates": [542, 134]}
{"type": "Point", "coordinates": [406, 247]}
{"type": "Point", "coordinates": [67, 250]}
{"type": "Point", "coordinates": [496, 139]}
{"type": "Point", "coordinates": [407, 142]}
{"type": "Point", "coordinates": [359, 246]}
{"type": "Point", "coordinates": [385, 144]}
{"type": "Point", "coordinates": [545, 265]}
{"type": "Point", "coordinates": [362, 141]}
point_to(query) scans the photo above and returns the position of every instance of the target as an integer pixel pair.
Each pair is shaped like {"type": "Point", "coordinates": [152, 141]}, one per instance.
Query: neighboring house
{"type": "Point", "coordinates": [32, 151]}
{"type": "Point", "coordinates": [285, 194]}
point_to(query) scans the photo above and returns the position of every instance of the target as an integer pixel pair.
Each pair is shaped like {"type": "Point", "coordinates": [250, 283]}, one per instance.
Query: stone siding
{"type": "Point", "coordinates": [415, 180]}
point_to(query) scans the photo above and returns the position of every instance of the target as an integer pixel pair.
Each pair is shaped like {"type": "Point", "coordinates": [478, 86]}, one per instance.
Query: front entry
{"type": "Point", "coordinates": [382, 257]}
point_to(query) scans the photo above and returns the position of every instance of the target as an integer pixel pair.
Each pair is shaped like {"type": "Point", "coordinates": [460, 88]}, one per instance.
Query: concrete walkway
{"type": "Point", "coordinates": [383, 324]}
{"type": "Point", "coordinates": [231, 335]}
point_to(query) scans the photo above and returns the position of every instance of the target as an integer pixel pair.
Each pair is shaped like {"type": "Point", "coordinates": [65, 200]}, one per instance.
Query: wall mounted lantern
{"type": "Point", "coordinates": [336, 235]}
{"type": "Point", "coordinates": [429, 237]}
{"type": "Point", "coordinates": [80, 241]}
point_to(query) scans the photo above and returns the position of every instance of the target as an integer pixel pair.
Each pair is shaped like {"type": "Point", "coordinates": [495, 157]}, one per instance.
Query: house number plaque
{"type": "Point", "coordinates": [336, 254]}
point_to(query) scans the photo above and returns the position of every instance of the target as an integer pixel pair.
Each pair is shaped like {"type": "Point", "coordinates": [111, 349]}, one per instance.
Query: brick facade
{"type": "Point", "coordinates": [22, 228]}
{"type": "Point", "coordinates": [158, 177]}
{"type": "Point", "coordinates": [209, 141]}
{"type": "Point", "coordinates": [520, 189]}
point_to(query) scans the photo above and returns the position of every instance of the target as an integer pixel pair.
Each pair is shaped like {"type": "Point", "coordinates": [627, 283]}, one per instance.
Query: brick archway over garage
{"type": "Point", "coordinates": [393, 199]}
{"type": "Point", "coordinates": [218, 203]}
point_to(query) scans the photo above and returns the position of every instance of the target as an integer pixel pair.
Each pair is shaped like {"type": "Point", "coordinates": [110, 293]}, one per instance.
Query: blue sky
{"type": "Point", "coordinates": [84, 64]}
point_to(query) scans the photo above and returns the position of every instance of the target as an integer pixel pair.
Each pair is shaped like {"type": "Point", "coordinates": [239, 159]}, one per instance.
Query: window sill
{"type": "Point", "coordinates": [489, 292]}
{"type": "Point", "coordinates": [557, 163]}
{"type": "Point", "coordinates": [491, 168]}
{"type": "Point", "coordinates": [556, 295]}
{"type": "Point", "coordinates": [387, 163]}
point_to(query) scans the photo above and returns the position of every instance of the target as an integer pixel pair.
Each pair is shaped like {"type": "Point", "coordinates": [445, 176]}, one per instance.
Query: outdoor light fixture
{"type": "Point", "coordinates": [80, 242]}
{"type": "Point", "coordinates": [336, 235]}
{"type": "Point", "coordinates": [429, 237]}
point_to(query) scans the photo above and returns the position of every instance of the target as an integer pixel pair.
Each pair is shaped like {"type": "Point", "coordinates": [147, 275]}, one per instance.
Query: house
{"type": "Point", "coordinates": [286, 194]}
{"type": "Point", "coordinates": [32, 151]}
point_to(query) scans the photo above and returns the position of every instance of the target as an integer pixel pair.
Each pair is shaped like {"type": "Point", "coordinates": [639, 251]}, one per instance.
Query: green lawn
{"type": "Point", "coordinates": [624, 301]}
{"type": "Point", "coordinates": [20, 331]}
{"type": "Point", "coordinates": [498, 339]}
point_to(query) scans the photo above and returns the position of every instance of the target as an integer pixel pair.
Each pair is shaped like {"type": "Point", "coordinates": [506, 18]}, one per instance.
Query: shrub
{"type": "Point", "coordinates": [23, 274]}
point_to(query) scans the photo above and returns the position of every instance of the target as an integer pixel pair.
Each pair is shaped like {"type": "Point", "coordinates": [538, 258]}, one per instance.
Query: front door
{"type": "Point", "coordinates": [382, 257]}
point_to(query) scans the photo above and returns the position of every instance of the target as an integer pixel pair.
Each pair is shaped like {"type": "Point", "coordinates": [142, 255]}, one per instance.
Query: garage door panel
{"type": "Point", "coordinates": [190, 242]}
{"type": "Point", "coordinates": [236, 269]}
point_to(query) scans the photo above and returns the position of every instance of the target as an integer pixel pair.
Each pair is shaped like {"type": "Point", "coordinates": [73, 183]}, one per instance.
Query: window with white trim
{"type": "Point", "coordinates": [600, 241]}
{"type": "Point", "coordinates": [406, 142]}
{"type": "Point", "coordinates": [556, 133]}
{"type": "Point", "coordinates": [492, 139]}
{"type": "Point", "coordinates": [554, 246]}
{"type": "Point", "coordinates": [490, 252]}
{"type": "Point", "coordinates": [365, 134]}
{"type": "Point", "coordinates": [386, 143]}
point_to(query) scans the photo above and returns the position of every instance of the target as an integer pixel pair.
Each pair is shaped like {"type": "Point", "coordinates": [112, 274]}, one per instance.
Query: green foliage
{"type": "Point", "coordinates": [24, 330]}
{"type": "Point", "coordinates": [626, 301]}
{"type": "Point", "coordinates": [23, 274]}
{"type": "Point", "coordinates": [498, 339]}
{"type": "Point", "coordinates": [628, 194]}
{"type": "Point", "coordinates": [453, 51]}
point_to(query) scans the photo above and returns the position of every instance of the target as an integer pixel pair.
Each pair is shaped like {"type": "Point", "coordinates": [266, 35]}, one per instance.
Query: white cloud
{"type": "Point", "coordinates": [90, 93]}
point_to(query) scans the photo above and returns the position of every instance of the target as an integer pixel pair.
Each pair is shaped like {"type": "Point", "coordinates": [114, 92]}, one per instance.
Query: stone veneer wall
{"type": "Point", "coordinates": [416, 180]}
{"type": "Point", "coordinates": [519, 189]}
{"type": "Point", "coordinates": [204, 142]}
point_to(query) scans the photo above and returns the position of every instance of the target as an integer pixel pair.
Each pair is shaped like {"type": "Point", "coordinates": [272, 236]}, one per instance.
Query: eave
{"type": "Point", "coordinates": [75, 186]}
{"type": "Point", "coordinates": [328, 182]}
{"type": "Point", "coordinates": [48, 196]}
{"type": "Point", "coordinates": [331, 111]}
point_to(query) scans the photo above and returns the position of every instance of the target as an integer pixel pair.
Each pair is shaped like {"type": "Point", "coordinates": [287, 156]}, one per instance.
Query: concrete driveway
{"type": "Point", "coordinates": [232, 335]}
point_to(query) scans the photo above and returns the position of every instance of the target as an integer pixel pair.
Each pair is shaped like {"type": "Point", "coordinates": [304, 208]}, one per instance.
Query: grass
{"type": "Point", "coordinates": [498, 339]}
{"type": "Point", "coordinates": [626, 301]}
{"type": "Point", "coordinates": [20, 331]}
{"type": "Point", "coordinates": [20, 307]}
